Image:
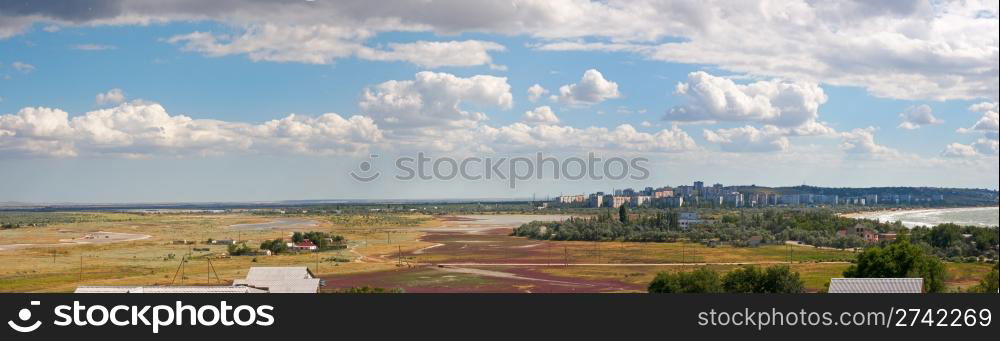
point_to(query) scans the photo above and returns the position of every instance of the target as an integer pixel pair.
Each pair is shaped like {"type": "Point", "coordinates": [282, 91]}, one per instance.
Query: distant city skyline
{"type": "Point", "coordinates": [124, 101]}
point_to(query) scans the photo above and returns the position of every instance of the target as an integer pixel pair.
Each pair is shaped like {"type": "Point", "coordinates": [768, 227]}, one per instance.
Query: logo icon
{"type": "Point", "coordinates": [366, 174]}
{"type": "Point", "coordinates": [25, 315]}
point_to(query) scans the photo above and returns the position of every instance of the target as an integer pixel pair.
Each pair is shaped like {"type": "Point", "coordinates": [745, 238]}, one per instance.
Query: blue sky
{"type": "Point", "coordinates": [247, 70]}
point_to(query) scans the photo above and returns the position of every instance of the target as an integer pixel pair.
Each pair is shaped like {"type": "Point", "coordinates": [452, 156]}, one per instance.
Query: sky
{"type": "Point", "coordinates": [185, 100]}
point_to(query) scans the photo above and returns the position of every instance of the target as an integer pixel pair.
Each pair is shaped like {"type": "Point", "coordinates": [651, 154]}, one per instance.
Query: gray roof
{"type": "Point", "coordinates": [167, 290]}
{"type": "Point", "coordinates": [258, 280]}
{"type": "Point", "coordinates": [876, 285]}
{"type": "Point", "coordinates": [281, 279]}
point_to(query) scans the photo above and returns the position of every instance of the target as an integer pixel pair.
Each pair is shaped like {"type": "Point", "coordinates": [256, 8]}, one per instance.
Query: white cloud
{"type": "Point", "coordinates": [428, 114]}
{"type": "Point", "coordinates": [23, 67]}
{"type": "Point", "coordinates": [914, 49]}
{"type": "Point", "coordinates": [624, 138]}
{"type": "Point", "coordinates": [141, 129]}
{"type": "Point", "coordinates": [540, 115]}
{"type": "Point", "coordinates": [535, 92]}
{"type": "Point", "coordinates": [646, 124]}
{"type": "Point", "coordinates": [861, 143]}
{"type": "Point", "coordinates": [916, 116]}
{"type": "Point", "coordinates": [435, 54]}
{"type": "Point", "coordinates": [987, 147]}
{"type": "Point", "coordinates": [591, 89]}
{"type": "Point", "coordinates": [749, 139]}
{"type": "Point", "coordinates": [774, 102]}
{"type": "Point", "coordinates": [113, 96]}
{"type": "Point", "coordinates": [318, 44]}
{"type": "Point", "coordinates": [94, 47]}
{"type": "Point", "coordinates": [958, 150]}
{"type": "Point", "coordinates": [322, 44]}
{"type": "Point", "coordinates": [982, 147]}
{"type": "Point", "coordinates": [983, 107]}
{"type": "Point", "coordinates": [988, 124]}
{"type": "Point", "coordinates": [434, 100]}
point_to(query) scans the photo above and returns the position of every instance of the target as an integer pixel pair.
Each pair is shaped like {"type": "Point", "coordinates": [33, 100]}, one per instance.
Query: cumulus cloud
{"type": "Point", "coordinates": [142, 129]}
{"type": "Point", "coordinates": [540, 115]}
{"type": "Point", "coordinates": [860, 142]}
{"type": "Point", "coordinates": [983, 107]}
{"type": "Point", "coordinates": [989, 123]}
{"type": "Point", "coordinates": [113, 96]}
{"type": "Point", "coordinates": [428, 113]}
{"type": "Point", "coordinates": [434, 100]}
{"type": "Point", "coordinates": [749, 139]}
{"type": "Point", "coordinates": [322, 44]}
{"type": "Point", "coordinates": [624, 138]}
{"type": "Point", "coordinates": [916, 116]}
{"type": "Point", "coordinates": [23, 67]}
{"type": "Point", "coordinates": [591, 89]}
{"type": "Point", "coordinates": [958, 150]}
{"type": "Point", "coordinates": [987, 147]}
{"type": "Point", "coordinates": [535, 92]}
{"type": "Point", "coordinates": [774, 102]}
{"type": "Point", "coordinates": [913, 49]}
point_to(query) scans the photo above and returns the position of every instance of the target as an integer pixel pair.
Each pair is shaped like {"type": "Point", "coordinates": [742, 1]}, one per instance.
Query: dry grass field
{"type": "Point", "coordinates": [415, 253]}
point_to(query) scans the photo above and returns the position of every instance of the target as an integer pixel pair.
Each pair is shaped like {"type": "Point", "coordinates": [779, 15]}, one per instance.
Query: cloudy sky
{"type": "Point", "coordinates": [231, 100]}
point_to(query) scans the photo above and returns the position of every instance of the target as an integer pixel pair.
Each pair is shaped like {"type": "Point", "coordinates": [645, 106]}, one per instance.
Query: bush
{"type": "Point", "coordinates": [773, 280]}
{"type": "Point", "coordinates": [745, 280]}
{"type": "Point", "coordinates": [701, 281]}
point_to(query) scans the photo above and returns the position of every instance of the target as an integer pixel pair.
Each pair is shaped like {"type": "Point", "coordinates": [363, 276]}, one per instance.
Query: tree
{"type": "Point", "coordinates": [899, 260]}
{"type": "Point", "coordinates": [623, 214]}
{"type": "Point", "coordinates": [945, 235]}
{"type": "Point", "coordinates": [701, 281]}
{"type": "Point", "coordinates": [275, 246]}
{"type": "Point", "coordinates": [989, 284]}
{"type": "Point", "coordinates": [773, 280]}
{"type": "Point", "coordinates": [238, 249]}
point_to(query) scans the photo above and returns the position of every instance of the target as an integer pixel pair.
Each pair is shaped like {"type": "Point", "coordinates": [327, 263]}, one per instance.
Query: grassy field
{"type": "Point", "coordinates": [61, 267]}
{"type": "Point", "coordinates": [166, 257]}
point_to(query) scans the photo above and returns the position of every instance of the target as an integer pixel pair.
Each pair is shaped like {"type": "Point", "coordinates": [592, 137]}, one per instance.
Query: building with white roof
{"type": "Point", "coordinates": [281, 279]}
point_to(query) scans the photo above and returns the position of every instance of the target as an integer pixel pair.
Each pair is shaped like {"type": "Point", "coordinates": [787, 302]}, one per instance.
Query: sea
{"type": "Point", "coordinates": [976, 216]}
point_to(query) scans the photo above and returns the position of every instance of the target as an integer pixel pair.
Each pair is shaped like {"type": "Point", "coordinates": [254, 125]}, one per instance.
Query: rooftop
{"type": "Point", "coordinates": [876, 285]}
{"type": "Point", "coordinates": [168, 290]}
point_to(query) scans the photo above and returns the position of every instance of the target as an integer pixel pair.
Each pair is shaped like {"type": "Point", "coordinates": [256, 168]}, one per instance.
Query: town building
{"type": "Point", "coordinates": [305, 245]}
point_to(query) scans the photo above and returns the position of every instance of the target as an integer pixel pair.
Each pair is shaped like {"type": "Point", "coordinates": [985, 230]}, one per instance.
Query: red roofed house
{"type": "Point", "coordinates": [305, 245]}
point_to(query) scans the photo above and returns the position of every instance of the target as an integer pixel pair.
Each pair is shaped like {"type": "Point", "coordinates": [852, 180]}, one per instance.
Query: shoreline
{"type": "Point", "coordinates": [889, 215]}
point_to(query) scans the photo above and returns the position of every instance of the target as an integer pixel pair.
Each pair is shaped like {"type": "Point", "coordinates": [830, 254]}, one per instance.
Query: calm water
{"type": "Point", "coordinates": [979, 216]}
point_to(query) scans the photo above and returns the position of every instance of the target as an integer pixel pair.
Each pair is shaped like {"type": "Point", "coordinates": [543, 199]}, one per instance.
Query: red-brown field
{"type": "Point", "coordinates": [479, 255]}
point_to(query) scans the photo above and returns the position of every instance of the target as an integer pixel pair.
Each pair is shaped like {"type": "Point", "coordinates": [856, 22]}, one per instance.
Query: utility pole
{"type": "Point", "coordinates": [399, 255]}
